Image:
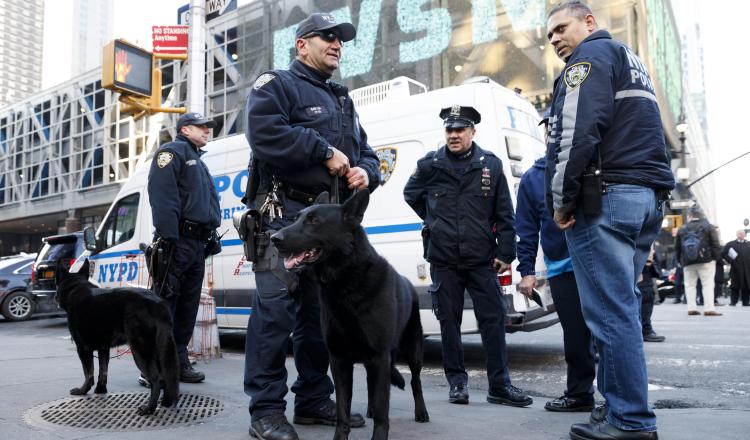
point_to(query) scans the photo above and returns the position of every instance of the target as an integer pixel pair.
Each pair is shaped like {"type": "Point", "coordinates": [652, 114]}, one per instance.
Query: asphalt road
{"type": "Point", "coordinates": [698, 379]}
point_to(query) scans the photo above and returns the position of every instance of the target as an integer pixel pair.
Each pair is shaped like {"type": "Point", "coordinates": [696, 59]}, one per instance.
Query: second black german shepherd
{"type": "Point", "coordinates": [369, 312]}
{"type": "Point", "coordinates": [99, 319]}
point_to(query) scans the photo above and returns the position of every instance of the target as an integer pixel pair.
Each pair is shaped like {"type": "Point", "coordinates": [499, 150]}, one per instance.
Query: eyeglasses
{"type": "Point", "coordinates": [329, 37]}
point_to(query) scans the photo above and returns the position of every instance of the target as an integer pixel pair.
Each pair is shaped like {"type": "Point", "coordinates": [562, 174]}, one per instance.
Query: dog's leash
{"type": "Point", "coordinates": [334, 189]}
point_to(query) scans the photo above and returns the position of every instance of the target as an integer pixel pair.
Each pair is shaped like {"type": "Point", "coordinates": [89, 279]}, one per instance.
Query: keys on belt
{"type": "Point", "coordinates": [272, 204]}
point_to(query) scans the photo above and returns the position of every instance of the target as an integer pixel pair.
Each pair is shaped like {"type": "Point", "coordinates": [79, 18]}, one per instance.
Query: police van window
{"type": "Point", "coordinates": [119, 226]}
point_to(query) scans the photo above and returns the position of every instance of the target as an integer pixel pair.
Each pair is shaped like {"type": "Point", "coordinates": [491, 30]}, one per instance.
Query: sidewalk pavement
{"type": "Point", "coordinates": [42, 366]}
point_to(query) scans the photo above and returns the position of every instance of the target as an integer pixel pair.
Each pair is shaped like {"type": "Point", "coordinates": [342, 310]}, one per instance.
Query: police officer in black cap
{"type": "Point", "coordinates": [186, 213]}
{"type": "Point", "coordinates": [305, 138]}
{"type": "Point", "coordinates": [462, 196]}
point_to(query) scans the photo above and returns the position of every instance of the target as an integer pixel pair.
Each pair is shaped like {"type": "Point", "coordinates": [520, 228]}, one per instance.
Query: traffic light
{"type": "Point", "coordinates": [131, 71]}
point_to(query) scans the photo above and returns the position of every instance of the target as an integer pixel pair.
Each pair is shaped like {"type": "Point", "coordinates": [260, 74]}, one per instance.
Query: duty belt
{"type": "Point", "coordinates": [307, 196]}
{"type": "Point", "coordinates": [190, 229]}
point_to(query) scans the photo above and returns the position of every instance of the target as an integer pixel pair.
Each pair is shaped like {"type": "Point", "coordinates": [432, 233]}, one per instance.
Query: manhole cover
{"type": "Point", "coordinates": [117, 411]}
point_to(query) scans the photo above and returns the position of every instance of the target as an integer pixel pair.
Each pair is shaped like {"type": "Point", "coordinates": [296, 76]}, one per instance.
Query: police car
{"type": "Point", "coordinates": [401, 120]}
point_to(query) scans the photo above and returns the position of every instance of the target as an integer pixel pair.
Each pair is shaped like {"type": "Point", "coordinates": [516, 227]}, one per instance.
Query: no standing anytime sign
{"type": "Point", "coordinates": [170, 39]}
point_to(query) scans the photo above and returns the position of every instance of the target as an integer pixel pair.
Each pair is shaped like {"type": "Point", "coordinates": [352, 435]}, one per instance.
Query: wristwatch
{"type": "Point", "coordinates": [329, 153]}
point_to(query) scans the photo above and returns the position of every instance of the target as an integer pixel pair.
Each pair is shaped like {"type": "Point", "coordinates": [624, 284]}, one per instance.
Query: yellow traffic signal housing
{"type": "Point", "coordinates": [130, 71]}
{"type": "Point", "coordinates": [126, 69]}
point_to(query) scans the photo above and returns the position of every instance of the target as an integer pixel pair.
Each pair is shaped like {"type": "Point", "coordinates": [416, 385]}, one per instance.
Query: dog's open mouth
{"type": "Point", "coordinates": [298, 260]}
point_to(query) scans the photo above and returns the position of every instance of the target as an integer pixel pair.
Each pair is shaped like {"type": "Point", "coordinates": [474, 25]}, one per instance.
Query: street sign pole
{"type": "Point", "coordinates": [196, 93]}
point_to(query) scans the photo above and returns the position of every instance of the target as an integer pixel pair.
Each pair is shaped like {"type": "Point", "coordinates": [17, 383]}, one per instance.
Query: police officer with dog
{"type": "Point", "coordinates": [186, 213]}
{"type": "Point", "coordinates": [305, 138]}
{"type": "Point", "coordinates": [461, 194]}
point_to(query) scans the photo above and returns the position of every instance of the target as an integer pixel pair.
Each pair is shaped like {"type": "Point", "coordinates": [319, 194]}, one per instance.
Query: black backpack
{"type": "Point", "coordinates": [696, 246]}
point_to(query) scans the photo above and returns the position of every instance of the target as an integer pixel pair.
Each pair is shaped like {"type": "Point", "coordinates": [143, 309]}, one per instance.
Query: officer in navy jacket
{"type": "Point", "coordinates": [305, 135]}
{"type": "Point", "coordinates": [608, 174]}
{"type": "Point", "coordinates": [534, 224]}
{"type": "Point", "coordinates": [462, 195]}
{"type": "Point", "coordinates": [186, 213]}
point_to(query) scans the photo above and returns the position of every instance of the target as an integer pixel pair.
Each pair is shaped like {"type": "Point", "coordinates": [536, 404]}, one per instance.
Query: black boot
{"type": "Point", "coordinates": [459, 394]}
{"type": "Point", "coordinates": [273, 427]}
{"type": "Point", "coordinates": [326, 415]}
{"type": "Point", "coordinates": [509, 395]}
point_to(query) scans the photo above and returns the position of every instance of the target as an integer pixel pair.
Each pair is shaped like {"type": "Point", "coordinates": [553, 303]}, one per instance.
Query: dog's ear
{"type": "Point", "coordinates": [61, 271]}
{"type": "Point", "coordinates": [353, 210]}
{"type": "Point", "coordinates": [322, 199]}
{"type": "Point", "coordinates": [83, 272]}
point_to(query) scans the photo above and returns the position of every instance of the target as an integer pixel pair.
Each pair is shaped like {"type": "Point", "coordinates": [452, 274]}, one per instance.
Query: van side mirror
{"type": "Point", "coordinates": [89, 239]}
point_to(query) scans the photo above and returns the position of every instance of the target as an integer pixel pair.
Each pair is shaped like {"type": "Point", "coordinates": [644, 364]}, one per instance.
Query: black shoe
{"type": "Point", "coordinates": [605, 431]}
{"type": "Point", "coordinates": [189, 375]}
{"type": "Point", "coordinates": [273, 427]}
{"type": "Point", "coordinates": [653, 337]}
{"type": "Point", "coordinates": [326, 415]}
{"type": "Point", "coordinates": [509, 395]}
{"type": "Point", "coordinates": [598, 414]}
{"type": "Point", "coordinates": [570, 404]}
{"type": "Point", "coordinates": [142, 381]}
{"type": "Point", "coordinates": [459, 394]}
{"type": "Point", "coordinates": [677, 301]}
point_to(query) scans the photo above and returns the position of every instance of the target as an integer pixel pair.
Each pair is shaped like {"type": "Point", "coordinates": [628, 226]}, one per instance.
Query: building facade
{"type": "Point", "coordinates": [21, 28]}
{"type": "Point", "coordinates": [65, 146]}
{"type": "Point", "coordinates": [93, 22]}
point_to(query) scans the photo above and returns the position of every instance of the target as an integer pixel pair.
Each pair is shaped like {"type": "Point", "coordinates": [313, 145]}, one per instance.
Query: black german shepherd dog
{"type": "Point", "coordinates": [369, 313]}
{"type": "Point", "coordinates": [99, 319]}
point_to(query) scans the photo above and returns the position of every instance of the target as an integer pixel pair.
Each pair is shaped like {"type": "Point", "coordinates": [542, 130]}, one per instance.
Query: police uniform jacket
{"type": "Point", "coordinates": [470, 216]}
{"type": "Point", "coordinates": [293, 116]}
{"type": "Point", "coordinates": [181, 188]}
{"type": "Point", "coordinates": [604, 100]}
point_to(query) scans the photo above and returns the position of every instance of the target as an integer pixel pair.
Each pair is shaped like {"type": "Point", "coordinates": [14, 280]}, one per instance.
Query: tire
{"type": "Point", "coordinates": [18, 306]}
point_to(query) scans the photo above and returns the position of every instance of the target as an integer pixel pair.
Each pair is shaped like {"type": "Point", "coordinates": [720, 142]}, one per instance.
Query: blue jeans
{"type": "Point", "coordinates": [609, 251]}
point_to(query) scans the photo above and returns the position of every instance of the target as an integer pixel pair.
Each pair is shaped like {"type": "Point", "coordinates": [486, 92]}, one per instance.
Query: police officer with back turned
{"type": "Point", "coordinates": [462, 195]}
{"type": "Point", "coordinates": [185, 211]}
{"type": "Point", "coordinates": [305, 139]}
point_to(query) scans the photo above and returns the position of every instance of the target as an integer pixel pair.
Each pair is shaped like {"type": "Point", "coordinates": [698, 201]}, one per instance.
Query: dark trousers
{"type": "Point", "coordinates": [579, 346]}
{"type": "Point", "coordinates": [277, 313]}
{"type": "Point", "coordinates": [448, 286]}
{"type": "Point", "coordinates": [647, 306]}
{"type": "Point", "coordinates": [738, 292]}
{"type": "Point", "coordinates": [185, 280]}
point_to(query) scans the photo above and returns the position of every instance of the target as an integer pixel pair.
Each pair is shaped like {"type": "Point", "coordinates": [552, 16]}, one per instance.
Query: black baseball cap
{"type": "Point", "coordinates": [320, 21]}
{"type": "Point", "coordinates": [194, 119]}
{"type": "Point", "coordinates": [458, 116]}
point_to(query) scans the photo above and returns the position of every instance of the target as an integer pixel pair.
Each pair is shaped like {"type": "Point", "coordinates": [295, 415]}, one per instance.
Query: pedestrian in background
{"type": "Point", "coordinates": [461, 194]}
{"type": "Point", "coordinates": [305, 138]}
{"type": "Point", "coordinates": [737, 254]}
{"type": "Point", "coordinates": [608, 175]}
{"type": "Point", "coordinates": [646, 285]}
{"type": "Point", "coordinates": [185, 210]}
{"type": "Point", "coordinates": [534, 224]}
{"type": "Point", "coordinates": [697, 249]}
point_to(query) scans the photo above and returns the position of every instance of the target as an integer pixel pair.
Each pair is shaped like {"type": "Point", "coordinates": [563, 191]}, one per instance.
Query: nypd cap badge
{"type": "Point", "coordinates": [576, 74]}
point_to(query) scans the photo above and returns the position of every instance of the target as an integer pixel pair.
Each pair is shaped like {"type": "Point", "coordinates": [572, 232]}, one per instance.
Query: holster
{"type": "Point", "coordinates": [248, 224]}
{"type": "Point", "coordinates": [591, 191]}
{"type": "Point", "coordinates": [213, 244]}
{"type": "Point", "coordinates": [158, 258]}
{"type": "Point", "coordinates": [425, 240]}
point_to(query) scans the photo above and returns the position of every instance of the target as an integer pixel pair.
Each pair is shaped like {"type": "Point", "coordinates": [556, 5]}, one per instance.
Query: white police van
{"type": "Point", "coordinates": [401, 120]}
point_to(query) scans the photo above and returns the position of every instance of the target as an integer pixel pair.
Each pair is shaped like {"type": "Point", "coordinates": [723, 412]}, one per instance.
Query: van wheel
{"type": "Point", "coordinates": [18, 306]}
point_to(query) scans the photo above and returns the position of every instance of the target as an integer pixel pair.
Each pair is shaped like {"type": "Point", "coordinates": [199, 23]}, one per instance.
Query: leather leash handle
{"type": "Point", "coordinates": [335, 189]}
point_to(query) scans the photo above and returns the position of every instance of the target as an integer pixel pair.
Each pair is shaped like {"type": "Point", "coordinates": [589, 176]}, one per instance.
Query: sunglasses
{"type": "Point", "coordinates": [329, 37]}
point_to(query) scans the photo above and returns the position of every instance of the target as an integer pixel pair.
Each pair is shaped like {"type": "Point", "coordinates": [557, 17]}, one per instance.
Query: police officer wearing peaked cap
{"type": "Point", "coordinates": [186, 213]}
{"type": "Point", "coordinates": [305, 138]}
{"type": "Point", "coordinates": [461, 194]}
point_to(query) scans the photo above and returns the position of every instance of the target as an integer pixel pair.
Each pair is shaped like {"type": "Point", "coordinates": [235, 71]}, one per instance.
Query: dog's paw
{"type": "Point", "coordinates": [421, 416]}
{"type": "Point", "coordinates": [79, 391]}
{"type": "Point", "coordinates": [100, 389]}
{"type": "Point", "coordinates": [145, 410]}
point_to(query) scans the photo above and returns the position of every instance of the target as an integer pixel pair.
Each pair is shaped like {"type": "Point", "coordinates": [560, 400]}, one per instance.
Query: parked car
{"type": "Point", "coordinates": [15, 275]}
{"type": "Point", "coordinates": [64, 248]}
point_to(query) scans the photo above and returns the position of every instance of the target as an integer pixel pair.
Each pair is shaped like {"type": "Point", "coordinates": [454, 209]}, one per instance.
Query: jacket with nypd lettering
{"type": "Point", "coordinates": [470, 216]}
{"type": "Point", "coordinates": [180, 187]}
{"type": "Point", "coordinates": [604, 99]}
{"type": "Point", "coordinates": [293, 116]}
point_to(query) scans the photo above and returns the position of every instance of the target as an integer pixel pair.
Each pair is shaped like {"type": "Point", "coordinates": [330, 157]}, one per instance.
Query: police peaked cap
{"type": "Point", "coordinates": [194, 119]}
{"type": "Point", "coordinates": [459, 116]}
{"type": "Point", "coordinates": [320, 21]}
